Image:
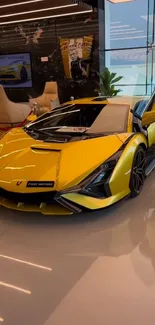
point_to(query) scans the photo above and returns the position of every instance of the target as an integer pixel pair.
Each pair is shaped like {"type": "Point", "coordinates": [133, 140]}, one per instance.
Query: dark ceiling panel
{"type": "Point", "coordinates": [53, 2]}
{"type": "Point", "coordinates": [34, 6]}
{"type": "Point", "coordinates": [47, 14]}
{"type": "Point", "coordinates": [40, 5]}
{"type": "Point", "coordinates": [42, 12]}
{"type": "Point", "coordinates": [92, 3]}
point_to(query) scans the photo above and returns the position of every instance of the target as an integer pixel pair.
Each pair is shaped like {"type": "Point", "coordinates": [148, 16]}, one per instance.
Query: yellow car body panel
{"type": "Point", "coordinates": [93, 203]}
{"type": "Point", "coordinates": [19, 148]}
{"type": "Point", "coordinates": [119, 182]}
{"type": "Point", "coordinates": [46, 209]}
{"type": "Point", "coordinates": [24, 159]}
{"type": "Point", "coordinates": [121, 175]}
{"type": "Point", "coordinates": [92, 155]}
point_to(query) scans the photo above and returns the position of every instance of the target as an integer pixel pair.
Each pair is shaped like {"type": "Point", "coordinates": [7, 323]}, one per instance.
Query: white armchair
{"type": "Point", "coordinates": [11, 114]}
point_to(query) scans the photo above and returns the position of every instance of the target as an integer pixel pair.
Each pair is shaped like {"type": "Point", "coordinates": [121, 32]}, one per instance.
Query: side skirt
{"type": "Point", "coordinates": [150, 160]}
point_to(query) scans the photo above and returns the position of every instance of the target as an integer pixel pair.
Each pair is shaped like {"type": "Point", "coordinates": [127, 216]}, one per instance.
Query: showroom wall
{"type": "Point", "coordinates": [129, 44]}
{"type": "Point", "coordinates": [42, 40]}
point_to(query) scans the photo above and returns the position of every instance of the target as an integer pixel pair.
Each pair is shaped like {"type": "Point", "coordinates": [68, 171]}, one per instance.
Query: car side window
{"type": "Point", "coordinates": [140, 107]}
{"type": "Point", "coordinates": [151, 106]}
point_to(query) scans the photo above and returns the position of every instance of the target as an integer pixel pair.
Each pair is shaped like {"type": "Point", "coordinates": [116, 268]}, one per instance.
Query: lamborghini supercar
{"type": "Point", "coordinates": [85, 155]}
{"type": "Point", "coordinates": [17, 70]}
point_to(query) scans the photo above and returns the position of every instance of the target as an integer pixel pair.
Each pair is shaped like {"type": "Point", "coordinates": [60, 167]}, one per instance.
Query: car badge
{"type": "Point", "coordinates": [19, 183]}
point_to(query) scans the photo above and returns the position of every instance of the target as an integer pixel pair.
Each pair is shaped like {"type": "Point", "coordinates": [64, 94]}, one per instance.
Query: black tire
{"type": "Point", "coordinates": [138, 176]}
{"type": "Point", "coordinates": [23, 74]}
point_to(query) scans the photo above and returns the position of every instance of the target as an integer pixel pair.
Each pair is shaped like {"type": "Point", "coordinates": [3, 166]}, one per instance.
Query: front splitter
{"type": "Point", "coordinates": [44, 208]}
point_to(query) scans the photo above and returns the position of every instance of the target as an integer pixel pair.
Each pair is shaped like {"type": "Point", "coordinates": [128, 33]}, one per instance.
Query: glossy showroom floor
{"type": "Point", "coordinates": [89, 269]}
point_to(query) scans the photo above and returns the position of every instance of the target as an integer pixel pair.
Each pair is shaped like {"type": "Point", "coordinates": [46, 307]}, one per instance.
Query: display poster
{"type": "Point", "coordinates": [76, 54]}
{"type": "Point", "coordinates": [15, 70]}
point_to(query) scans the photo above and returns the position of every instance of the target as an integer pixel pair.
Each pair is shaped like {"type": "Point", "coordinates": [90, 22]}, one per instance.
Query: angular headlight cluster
{"type": "Point", "coordinates": [97, 184]}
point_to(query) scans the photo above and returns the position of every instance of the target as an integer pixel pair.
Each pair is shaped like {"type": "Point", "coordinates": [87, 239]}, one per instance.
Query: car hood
{"type": "Point", "coordinates": [23, 159]}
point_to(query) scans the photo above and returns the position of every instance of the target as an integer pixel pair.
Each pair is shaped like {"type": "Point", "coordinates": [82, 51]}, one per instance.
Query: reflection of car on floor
{"type": "Point", "coordinates": [17, 71]}
{"type": "Point", "coordinates": [84, 155]}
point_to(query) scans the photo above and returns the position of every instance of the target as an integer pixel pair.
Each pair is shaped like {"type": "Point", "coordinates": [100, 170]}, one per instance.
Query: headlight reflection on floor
{"type": "Point", "coordinates": [11, 286]}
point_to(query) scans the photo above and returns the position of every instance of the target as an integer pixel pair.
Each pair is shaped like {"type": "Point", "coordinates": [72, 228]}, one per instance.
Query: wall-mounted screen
{"type": "Point", "coordinates": [15, 70]}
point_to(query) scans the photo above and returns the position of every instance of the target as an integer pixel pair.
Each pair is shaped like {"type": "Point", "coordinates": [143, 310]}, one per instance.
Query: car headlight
{"type": "Point", "coordinates": [98, 181]}
{"type": "Point", "coordinates": [96, 184]}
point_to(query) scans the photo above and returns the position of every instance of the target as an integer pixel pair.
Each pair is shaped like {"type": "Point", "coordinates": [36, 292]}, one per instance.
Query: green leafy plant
{"type": "Point", "coordinates": [107, 83]}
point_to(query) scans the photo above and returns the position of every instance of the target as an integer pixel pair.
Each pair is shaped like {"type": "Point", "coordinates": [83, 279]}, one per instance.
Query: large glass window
{"type": "Point", "coordinates": [126, 24]}
{"type": "Point", "coordinates": [131, 64]}
{"type": "Point", "coordinates": [129, 45]}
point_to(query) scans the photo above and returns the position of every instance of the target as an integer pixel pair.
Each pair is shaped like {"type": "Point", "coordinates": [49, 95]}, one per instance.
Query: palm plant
{"type": "Point", "coordinates": [107, 83]}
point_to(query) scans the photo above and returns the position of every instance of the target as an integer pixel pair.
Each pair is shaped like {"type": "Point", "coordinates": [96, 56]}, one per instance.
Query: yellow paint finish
{"type": "Point", "coordinates": [94, 203]}
{"type": "Point", "coordinates": [34, 169]}
{"type": "Point", "coordinates": [119, 182]}
{"type": "Point", "coordinates": [31, 118]}
{"type": "Point", "coordinates": [153, 107]}
{"type": "Point", "coordinates": [130, 122]}
{"type": "Point", "coordinates": [148, 118]}
{"type": "Point", "coordinates": [80, 158]}
{"type": "Point", "coordinates": [121, 175]}
{"type": "Point", "coordinates": [19, 161]}
{"type": "Point", "coordinates": [67, 165]}
{"type": "Point", "coordinates": [124, 136]}
{"type": "Point", "coordinates": [54, 209]}
{"type": "Point", "coordinates": [151, 134]}
{"type": "Point", "coordinates": [125, 100]}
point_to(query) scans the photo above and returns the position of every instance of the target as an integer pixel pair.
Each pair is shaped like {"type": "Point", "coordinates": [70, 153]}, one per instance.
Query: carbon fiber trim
{"type": "Point", "coordinates": [67, 204]}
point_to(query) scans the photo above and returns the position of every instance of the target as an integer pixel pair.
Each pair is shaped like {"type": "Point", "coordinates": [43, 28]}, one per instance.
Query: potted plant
{"type": "Point", "coordinates": [107, 83]}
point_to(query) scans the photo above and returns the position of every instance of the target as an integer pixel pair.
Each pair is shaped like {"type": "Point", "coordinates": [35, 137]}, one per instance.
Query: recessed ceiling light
{"type": "Point", "coordinates": [38, 10]}
{"type": "Point", "coordinates": [20, 3]}
{"type": "Point", "coordinates": [46, 17]}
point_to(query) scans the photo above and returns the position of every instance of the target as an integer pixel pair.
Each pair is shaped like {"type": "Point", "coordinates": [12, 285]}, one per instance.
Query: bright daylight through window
{"type": "Point", "coordinates": [129, 42]}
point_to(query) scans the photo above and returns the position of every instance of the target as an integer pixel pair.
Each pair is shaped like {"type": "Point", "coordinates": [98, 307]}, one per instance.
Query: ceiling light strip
{"type": "Point", "coordinates": [20, 3]}
{"type": "Point", "coordinates": [38, 10]}
{"type": "Point", "coordinates": [45, 17]}
{"type": "Point", "coordinates": [1, 319]}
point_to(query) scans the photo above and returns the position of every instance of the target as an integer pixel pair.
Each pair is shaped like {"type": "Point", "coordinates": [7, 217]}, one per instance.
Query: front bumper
{"type": "Point", "coordinates": [33, 202]}
{"type": "Point", "coordinates": [92, 203]}
{"type": "Point", "coordinates": [64, 204]}
{"type": "Point", "coordinates": [46, 209]}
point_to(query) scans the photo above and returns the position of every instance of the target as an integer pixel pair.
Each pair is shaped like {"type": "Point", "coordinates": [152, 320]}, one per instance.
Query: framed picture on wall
{"type": "Point", "coordinates": [15, 70]}
{"type": "Point", "coordinates": [76, 54]}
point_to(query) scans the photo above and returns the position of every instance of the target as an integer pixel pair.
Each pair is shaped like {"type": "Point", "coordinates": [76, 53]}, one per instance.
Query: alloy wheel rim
{"type": "Point", "coordinates": [139, 171]}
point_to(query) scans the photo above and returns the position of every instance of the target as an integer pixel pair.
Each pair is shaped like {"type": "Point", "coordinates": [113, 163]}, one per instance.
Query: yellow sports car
{"type": "Point", "coordinates": [17, 70]}
{"type": "Point", "coordinates": [85, 155]}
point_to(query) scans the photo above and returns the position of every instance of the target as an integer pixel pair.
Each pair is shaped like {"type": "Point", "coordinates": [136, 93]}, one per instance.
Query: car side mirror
{"type": "Point", "coordinates": [148, 118]}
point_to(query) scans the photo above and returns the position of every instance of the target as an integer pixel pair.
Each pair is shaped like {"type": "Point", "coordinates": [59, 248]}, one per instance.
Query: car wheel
{"type": "Point", "coordinates": [23, 74]}
{"type": "Point", "coordinates": [138, 172]}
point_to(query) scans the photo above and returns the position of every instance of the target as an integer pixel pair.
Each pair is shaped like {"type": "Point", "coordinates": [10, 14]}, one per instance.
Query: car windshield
{"type": "Point", "coordinates": [89, 118]}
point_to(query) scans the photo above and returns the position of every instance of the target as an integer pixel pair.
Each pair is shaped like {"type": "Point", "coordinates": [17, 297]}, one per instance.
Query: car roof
{"type": "Point", "coordinates": [126, 100]}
